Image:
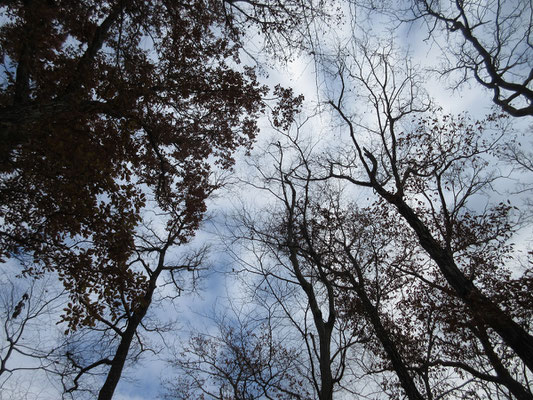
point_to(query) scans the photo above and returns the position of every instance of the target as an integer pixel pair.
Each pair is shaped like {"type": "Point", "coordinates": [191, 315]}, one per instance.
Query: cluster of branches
{"type": "Point", "coordinates": [489, 42]}
{"type": "Point", "coordinates": [390, 253]}
{"type": "Point", "coordinates": [494, 48]}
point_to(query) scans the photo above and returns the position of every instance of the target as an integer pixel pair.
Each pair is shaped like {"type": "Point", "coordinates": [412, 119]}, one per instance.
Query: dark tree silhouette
{"type": "Point", "coordinates": [242, 359]}
{"type": "Point", "coordinates": [429, 174]}
{"type": "Point", "coordinates": [488, 41]}
{"type": "Point", "coordinates": [109, 108]}
{"type": "Point", "coordinates": [100, 100]}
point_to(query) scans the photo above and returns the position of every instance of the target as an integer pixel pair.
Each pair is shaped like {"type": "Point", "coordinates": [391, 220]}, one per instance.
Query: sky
{"type": "Point", "coordinates": [193, 311]}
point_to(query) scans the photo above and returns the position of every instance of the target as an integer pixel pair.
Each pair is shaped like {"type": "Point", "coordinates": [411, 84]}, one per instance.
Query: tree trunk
{"type": "Point", "coordinates": [117, 365]}
{"type": "Point", "coordinates": [115, 372]}
{"type": "Point", "coordinates": [326, 378]}
{"type": "Point", "coordinates": [388, 345]}
{"type": "Point", "coordinates": [481, 306]}
{"type": "Point", "coordinates": [324, 329]}
{"type": "Point", "coordinates": [514, 386]}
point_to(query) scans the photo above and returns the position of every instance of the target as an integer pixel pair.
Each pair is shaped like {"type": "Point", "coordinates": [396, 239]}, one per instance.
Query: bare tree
{"type": "Point", "coordinates": [332, 260]}
{"type": "Point", "coordinates": [122, 328]}
{"type": "Point", "coordinates": [244, 359]}
{"type": "Point", "coordinates": [290, 279]}
{"type": "Point", "coordinates": [285, 26]}
{"type": "Point", "coordinates": [489, 41]}
{"type": "Point", "coordinates": [420, 329]}
{"type": "Point", "coordinates": [28, 304]}
{"type": "Point", "coordinates": [430, 169]}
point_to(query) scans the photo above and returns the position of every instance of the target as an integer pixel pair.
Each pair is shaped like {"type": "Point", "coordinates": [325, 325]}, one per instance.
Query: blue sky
{"type": "Point", "coordinates": [191, 311]}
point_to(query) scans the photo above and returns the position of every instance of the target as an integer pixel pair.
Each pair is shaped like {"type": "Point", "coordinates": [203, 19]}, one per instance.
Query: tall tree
{"type": "Point", "coordinates": [430, 174]}
{"type": "Point", "coordinates": [308, 242]}
{"type": "Point", "coordinates": [101, 100]}
{"type": "Point", "coordinates": [109, 109]}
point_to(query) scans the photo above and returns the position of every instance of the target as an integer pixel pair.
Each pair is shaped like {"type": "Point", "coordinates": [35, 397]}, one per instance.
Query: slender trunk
{"type": "Point", "coordinates": [481, 306]}
{"type": "Point", "coordinates": [324, 329]}
{"type": "Point", "coordinates": [85, 64]}
{"type": "Point", "coordinates": [506, 379]}
{"type": "Point", "coordinates": [392, 352]}
{"type": "Point", "coordinates": [381, 332]}
{"type": "Point", "coordinates": [117, 365]}
{"type": "Point", "coordinates": [22, 84]}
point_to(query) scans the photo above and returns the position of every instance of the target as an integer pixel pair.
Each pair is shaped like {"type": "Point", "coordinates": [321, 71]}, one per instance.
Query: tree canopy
{"type": "Point", "coordinates": [103, 104]}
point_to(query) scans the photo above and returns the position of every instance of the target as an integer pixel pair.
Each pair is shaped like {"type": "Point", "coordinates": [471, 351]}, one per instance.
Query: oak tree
{"type": "Point", "coordinates": [103, 102]}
